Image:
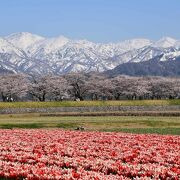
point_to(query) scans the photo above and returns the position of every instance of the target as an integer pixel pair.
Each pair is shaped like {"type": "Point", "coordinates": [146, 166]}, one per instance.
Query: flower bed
{"type": "Point", "coordinates": [60, 154]}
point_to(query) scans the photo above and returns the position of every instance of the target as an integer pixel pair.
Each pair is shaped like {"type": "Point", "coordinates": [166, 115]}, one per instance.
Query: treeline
{"type": "Point", "coordinates": [19, 87]}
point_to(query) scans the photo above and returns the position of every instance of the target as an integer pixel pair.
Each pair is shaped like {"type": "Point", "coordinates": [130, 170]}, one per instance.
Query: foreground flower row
{"type": "Point", "coordinates": [59, 154]}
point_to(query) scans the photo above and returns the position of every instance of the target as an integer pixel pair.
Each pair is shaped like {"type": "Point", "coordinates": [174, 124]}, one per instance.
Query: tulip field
{"type": "Point", "coordinates": [67, 154]}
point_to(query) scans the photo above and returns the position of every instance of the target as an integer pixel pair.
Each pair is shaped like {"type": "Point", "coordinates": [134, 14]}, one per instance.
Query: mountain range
{"type": "Point", "coordinates": [32, 54]}
{"type": "Point", "coordinates": [153, 67]}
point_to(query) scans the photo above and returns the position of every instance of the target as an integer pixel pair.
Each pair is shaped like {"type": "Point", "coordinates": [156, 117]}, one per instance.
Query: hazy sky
{"type": "Point", "coordinates": [95, 20]}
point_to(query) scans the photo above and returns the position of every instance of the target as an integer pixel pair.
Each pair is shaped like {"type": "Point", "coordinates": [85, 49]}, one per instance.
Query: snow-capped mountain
{"type": "Point", "coordinates": [23, 40]}
{"type": "Point", "coordinates": [165, 42]}
{"type": "Point", "coordinates": [33, 54]}
{"type": "Point", "coordinates": [153, 67]}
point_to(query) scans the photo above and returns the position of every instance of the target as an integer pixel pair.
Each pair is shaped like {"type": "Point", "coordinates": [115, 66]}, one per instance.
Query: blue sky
{"type": "Point", "coordinates": [95, 20]}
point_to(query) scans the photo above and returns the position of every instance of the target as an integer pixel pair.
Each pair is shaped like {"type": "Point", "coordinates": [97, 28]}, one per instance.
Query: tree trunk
{"type": "Point", "coordinates": [3, 97]}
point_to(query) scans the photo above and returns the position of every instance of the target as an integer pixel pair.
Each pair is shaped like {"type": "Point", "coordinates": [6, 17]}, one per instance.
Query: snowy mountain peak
{"type": "Point", "coordinates": [165, 42]}
{"type": "Point", "coordinates": [134, 44]}
{"type": "Point", "coordinates": [60, 41]}
{"type": "Point", "coordinates": [63, 38]}
{"type": "Point", "coordinates": [50, 44]}
{"type": "Point", "coordinates": [29, 53]}
{"type": "Point", "coordinates": [23, 40]}
{"type": "Point", "coordinates": [4, 46]}
{"type": "Point", "coordinates": [21, 34]}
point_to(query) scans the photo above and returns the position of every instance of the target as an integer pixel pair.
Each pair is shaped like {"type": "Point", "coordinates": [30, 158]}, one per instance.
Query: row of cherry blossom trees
{"type": "Point", "coordinates": [18, 87]}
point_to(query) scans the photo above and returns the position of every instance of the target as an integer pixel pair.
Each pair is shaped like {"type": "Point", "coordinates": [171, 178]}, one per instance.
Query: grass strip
{"type": "Point", "coordinates": [89, 103]}
{"type": "Point", "coordinates": [163, 131]}
{"type": "Point", "coordinates": [127, 113]}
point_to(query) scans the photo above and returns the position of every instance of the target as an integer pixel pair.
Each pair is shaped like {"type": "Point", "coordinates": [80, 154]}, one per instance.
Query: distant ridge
{"type": "Point", "coordinates": [28, 53]}
{"type": "Point", "coordinates": [153, 67]}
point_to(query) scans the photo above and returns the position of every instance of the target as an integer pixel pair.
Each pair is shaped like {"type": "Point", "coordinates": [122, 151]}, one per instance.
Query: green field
{"type": "Point", "coordinates": [154, 122]}
{"type": "Point", "coordinates": [132, 124]}
{"type": "Point", "coordinates": [88, 103]}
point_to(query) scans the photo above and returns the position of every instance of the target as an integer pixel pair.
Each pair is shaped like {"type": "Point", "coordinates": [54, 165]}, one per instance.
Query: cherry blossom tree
{"type": "Point", "coordinates": [162, 88]}
{"type": "Point", "coordinates": [48, 87]}
{"type": "Point", "coordinates": [80, 85]}
{"type": "Point", "coordinates": [13, 87]}
{"type": "Point", "coordinates": [87, 86]}
{"type": "Point", "coordinates": [58, 88]}
{"type": "Point", "coordinates": [100, 87]}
